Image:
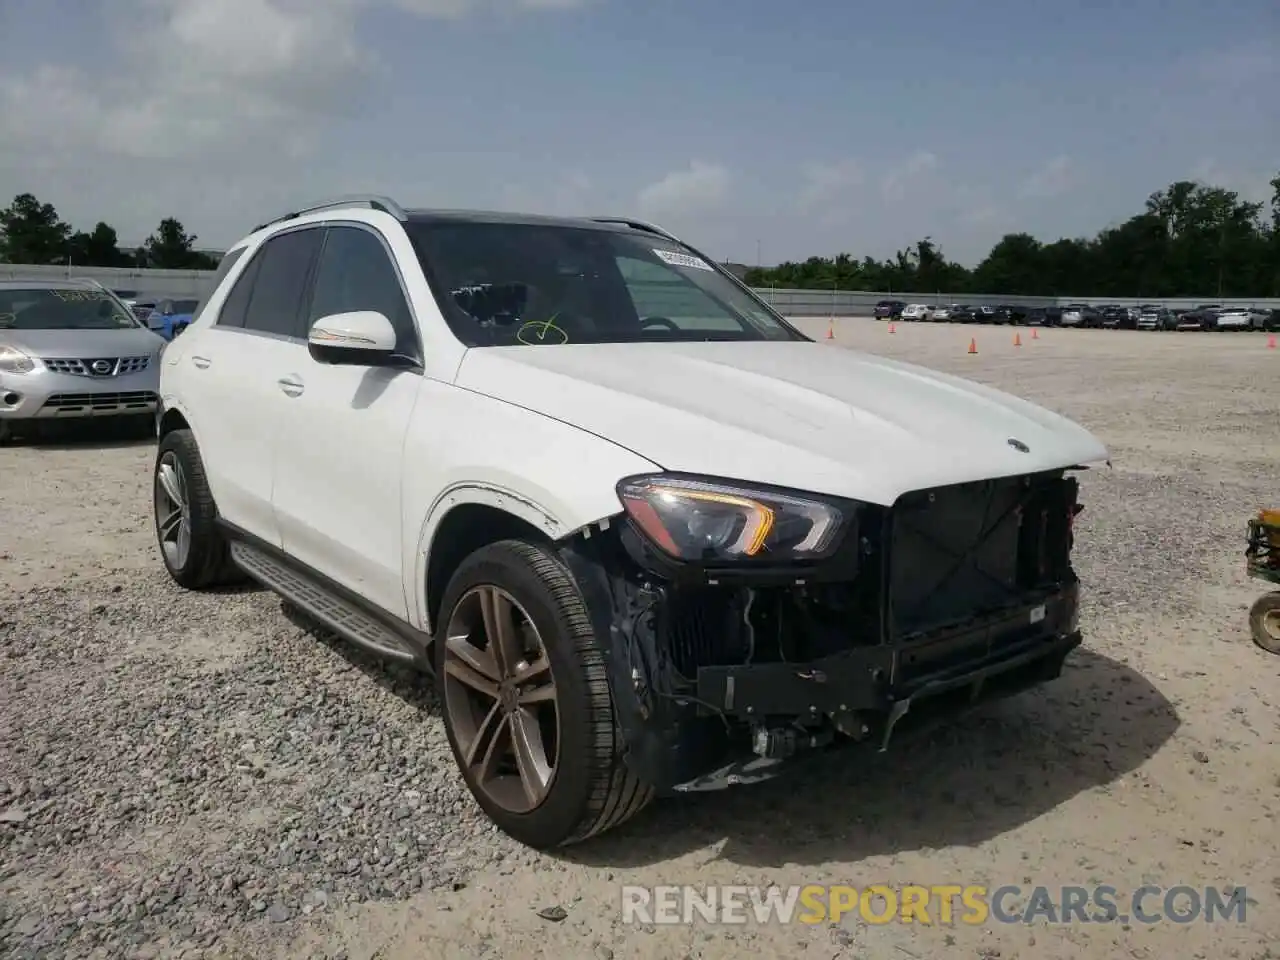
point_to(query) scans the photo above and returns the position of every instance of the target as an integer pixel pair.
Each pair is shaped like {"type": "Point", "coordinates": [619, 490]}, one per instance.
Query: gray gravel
{"type": "Point", "coordinates": [161, 785]}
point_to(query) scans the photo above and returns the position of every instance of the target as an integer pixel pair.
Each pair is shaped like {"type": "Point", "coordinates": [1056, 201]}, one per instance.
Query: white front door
{"type": "Point", "coordinates": [337, 487]}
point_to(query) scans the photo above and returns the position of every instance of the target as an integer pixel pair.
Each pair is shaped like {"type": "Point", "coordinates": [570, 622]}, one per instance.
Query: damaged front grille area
{"type": "Point", "coordinates": [961, 551]}
{"type": "Point", "coordinates": [938, 560]}
{"type": "Point", "coordinates": [962, 591]}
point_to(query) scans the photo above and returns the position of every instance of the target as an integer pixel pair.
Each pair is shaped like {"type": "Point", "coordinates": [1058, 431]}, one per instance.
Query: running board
{"type": "Point", "coordinates": [341, 616]}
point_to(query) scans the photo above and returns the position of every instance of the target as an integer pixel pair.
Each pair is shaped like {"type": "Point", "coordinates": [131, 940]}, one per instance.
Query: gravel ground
{"type": "Point", "coordinates": [199, 775]}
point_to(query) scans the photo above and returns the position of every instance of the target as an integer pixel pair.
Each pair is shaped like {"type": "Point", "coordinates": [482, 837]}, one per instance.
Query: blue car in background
{"type": "Point", "coordinates": [170, 317]}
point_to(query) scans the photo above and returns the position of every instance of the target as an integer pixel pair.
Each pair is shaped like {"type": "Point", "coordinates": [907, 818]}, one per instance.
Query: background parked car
{"type": "Point", "coordinates": [71, 350]}
{"type": "Point", "coordinates": [940, 313]}
{"type": "Point", "coordinates": [985, 314]}
{"type": "Point", "coordinates": [915, 311]}
{"type": "Point", "coordinates": [889, 309]}
{"type": "Point", "coordinates": [1112, 314]}
{"type": "Point", "coordinates": [1081, 315]}
{"type": "Point", "coordinates": [1203, 317]}
{"type": "Point", "coordinates": [963, 313]}
{"type": "Point", "coordinates": [1152, 316]}
{"type": "Point", "coordinates": [170, 317]}
{"type": "Point", "coordinates": [1241, 318]}
{"type": "Point", "coordinates": [1011, 313]}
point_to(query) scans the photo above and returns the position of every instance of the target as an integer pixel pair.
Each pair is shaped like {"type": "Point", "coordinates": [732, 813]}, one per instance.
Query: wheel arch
{"type": "Point", "coordinates": [465, 518]}
{"type": "Point", "coordinates": [171, 419]}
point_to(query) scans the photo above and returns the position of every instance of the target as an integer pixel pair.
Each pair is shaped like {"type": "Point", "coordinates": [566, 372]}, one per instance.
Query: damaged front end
{"type": "Point", "coordinates": [743, 626]}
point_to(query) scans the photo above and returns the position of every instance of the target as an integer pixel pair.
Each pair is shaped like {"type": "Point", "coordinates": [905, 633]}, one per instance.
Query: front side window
{"type": "Point", "coordinates": [501, 284]}
{"type": "Point", "coordinates": [355, 272]}
{"type": "Point", "coordinates": [58, 308]}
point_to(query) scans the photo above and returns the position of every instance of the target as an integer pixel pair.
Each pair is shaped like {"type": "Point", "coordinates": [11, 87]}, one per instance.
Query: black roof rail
{"type": "Point", "coordinates": [371, 201]}
{"type": "Point", "coordinates": [637, 225]}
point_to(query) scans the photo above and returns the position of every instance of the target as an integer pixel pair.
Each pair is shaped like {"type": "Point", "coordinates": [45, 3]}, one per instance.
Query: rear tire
{"type": "Point", "coordinates": [200, 557]}
{"type": "Point", "coordinates": [589, 789]}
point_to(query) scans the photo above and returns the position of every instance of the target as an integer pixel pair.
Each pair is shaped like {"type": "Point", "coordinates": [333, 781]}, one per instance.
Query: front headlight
{"type": "Point", "coordinates": [13, 360]}
{"type": "Point", "coordinates": [704, 520]}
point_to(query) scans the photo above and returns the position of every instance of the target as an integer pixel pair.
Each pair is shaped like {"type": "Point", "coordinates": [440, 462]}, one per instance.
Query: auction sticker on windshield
{"type": "Point", "coordinates": [677, 259]}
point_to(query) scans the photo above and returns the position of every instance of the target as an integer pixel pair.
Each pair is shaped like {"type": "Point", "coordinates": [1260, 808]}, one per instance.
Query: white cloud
{"type": "Point", "coordinates": [245, 89]}
{"type": "Point", "coordinates": [898, 183]}
{"type": "Point", "coordinates": [1056, 177]}
{"type": "Point", "coordinates": [700, 186]}
{"type": "Point", "coordinates": [825, 184]}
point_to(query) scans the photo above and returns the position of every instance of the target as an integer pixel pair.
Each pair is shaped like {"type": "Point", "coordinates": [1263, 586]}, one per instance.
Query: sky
{"type": "Point", "coordinates": [759, 132]}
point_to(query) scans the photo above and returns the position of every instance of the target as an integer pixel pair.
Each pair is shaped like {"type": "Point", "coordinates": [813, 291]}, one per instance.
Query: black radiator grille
{"type": "Point", "coordinates": [701, 627]}
{"type": "Point", "coordinates": [974, 548]}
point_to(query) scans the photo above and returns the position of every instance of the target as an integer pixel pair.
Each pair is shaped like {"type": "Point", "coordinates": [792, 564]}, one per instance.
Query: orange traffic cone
{"type": "Point", "coordinates": [891, 327]}
{"type": "Point", "coordinates": [973, 345]}
{"type": "Point", "coordinates": [1017, 339]}
{"type": "Point", "coordinates": [1271, 342]}
{"type": "Point", "coordinates": [1035, 333]}
{"type": "Point", "coordinates": [831, 329]}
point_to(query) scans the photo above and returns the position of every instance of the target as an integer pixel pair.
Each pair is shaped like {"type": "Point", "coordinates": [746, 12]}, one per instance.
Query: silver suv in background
{"type": "Point", "coordinates": [72, 350]}
{"type": "Point", "coordinates": [1080, 315]}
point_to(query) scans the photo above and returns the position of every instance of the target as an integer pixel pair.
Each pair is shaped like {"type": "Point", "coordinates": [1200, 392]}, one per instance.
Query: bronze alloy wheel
{"type": "Point", "coordinates": [500, 695]}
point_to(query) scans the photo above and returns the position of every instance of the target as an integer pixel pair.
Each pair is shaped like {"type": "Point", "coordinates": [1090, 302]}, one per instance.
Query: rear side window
{"type": "Point", "coordinates": [224, 267]}
{"type": "Point", "coordinates": [275, 305]}
{"type": "Point", "coordinates": [237, 302]}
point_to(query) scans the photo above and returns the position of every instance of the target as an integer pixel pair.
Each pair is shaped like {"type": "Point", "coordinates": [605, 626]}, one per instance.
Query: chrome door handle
{"type": "Point", "coordinates": [291, 386]}
{"type": "Point", "coordinates": [201, 362]}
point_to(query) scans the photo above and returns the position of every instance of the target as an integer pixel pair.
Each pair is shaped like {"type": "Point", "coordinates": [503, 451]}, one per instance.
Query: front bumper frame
{"type": "Point", "coordinates": [879, 677]}
{"type": "Point", "coordinates": [679, 739]}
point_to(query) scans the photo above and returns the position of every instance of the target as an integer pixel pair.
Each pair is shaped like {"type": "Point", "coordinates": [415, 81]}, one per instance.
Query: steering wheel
{"type": "Point", "coordinates": [646, 322]}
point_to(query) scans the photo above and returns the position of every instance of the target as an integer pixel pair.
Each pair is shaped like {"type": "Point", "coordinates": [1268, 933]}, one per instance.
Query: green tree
{"type": "Point", "coordinates": [32, 232]}
{"type": "Point", "coordinates": [1189, 240]}
{"type": "Point", "coordinates": [170, 247]}
{"type": "Point", "coordinates": [97, 249]}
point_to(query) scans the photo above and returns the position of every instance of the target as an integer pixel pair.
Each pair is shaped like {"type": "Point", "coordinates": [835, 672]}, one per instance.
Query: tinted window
{"type": "Point", "coordinates": [355, 272]}
{"type": "Point", "coordinates": [543, 284]}
{"type": "Point", "coordinates": [237, 302]}
{"type": "Point", "coordinates": [224, 267]}
{"type": "Point", "coordinates": [275, 305]}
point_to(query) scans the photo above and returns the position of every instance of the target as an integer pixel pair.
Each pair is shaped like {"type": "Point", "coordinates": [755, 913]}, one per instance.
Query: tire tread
{"type": "Point", "coordinates": [215, 567]}
{"type": "Point", "coordinates": [617, 794]}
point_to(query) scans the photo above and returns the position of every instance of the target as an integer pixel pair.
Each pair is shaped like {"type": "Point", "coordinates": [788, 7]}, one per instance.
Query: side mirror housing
{"type": "Point", "coordinates": [363, 338]}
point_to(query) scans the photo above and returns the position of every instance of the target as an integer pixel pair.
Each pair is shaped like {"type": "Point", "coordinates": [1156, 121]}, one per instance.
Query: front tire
{"type": "Point", "coordinates": [194, 552]}
{"type": "Point", "coordinates": [526, 700]}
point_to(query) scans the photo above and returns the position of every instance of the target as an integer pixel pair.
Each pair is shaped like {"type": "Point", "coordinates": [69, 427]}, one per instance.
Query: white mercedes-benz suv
{"type": "Point", "coordinates": [642, 534]}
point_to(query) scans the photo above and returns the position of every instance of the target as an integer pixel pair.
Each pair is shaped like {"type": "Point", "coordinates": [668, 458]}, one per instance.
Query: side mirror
{"type": "Point", "coordinates": [363, 338]}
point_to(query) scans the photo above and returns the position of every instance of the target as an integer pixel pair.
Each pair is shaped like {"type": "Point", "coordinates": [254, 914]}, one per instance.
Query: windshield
{"type": "Point", "coordinates": [44, 308]}
{"type": "Point", "coordinates": [502, 284]}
